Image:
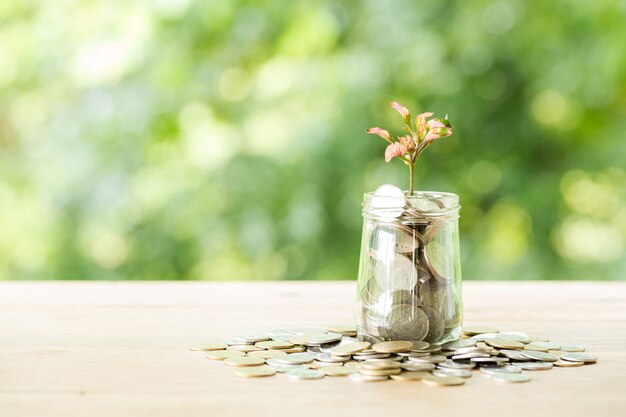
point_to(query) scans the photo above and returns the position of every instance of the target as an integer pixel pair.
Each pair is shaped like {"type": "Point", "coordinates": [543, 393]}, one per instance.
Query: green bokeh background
{"type": "Point", "coordinates": [223, 140]}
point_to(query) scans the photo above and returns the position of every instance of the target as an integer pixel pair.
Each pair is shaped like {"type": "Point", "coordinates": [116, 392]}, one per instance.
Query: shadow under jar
{"type": "Point", "coordinates": [409, 284]}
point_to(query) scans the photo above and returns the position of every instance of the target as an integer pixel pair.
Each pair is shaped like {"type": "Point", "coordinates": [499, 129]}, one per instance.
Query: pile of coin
{"type": "Point", "coordinates": [409, 275]}
{"type": "Point", "coordinates": [314, 353]}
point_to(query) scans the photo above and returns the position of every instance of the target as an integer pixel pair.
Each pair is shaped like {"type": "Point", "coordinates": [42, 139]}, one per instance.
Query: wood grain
{"type": "Point", "coordinates": [120, 349]}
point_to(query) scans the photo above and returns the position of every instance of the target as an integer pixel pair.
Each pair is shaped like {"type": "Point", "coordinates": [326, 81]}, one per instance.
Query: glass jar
{"type": "Point", "coordinates": [409, 284]}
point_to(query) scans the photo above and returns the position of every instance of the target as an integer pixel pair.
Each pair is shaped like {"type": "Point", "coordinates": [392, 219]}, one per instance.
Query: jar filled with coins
{"type": "Point", "coordinates": [409, 284]}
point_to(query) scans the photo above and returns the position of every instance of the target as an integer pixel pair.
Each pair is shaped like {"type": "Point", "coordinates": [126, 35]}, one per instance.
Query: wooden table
{"type": "Point", "coordinates": [120, 349]}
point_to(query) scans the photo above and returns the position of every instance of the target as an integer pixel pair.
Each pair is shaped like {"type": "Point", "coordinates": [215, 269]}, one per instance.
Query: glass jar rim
{"type": "Point", "coordinates": [419, 205]}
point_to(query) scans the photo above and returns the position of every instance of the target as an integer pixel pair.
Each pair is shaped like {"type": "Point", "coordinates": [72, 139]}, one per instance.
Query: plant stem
{"type": "Point", "coordinates": [411, 179]}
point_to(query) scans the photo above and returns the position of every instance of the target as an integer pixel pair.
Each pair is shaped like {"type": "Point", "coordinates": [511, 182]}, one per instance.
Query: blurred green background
{"type": "Point", "coordinates": [225, 139]}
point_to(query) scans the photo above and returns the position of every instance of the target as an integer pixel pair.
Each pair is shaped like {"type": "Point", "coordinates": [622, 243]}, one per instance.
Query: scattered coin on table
{"type": "Point", "coordinates": [308, 353]}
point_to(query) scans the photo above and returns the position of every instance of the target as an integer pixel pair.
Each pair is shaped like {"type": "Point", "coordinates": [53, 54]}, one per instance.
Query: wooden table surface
{"type": "Point", "coordinates": [120, 349]}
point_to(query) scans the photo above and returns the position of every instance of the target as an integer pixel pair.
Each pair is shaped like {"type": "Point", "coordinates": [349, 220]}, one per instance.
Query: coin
{"type": "Point", "coordinates": [442, 380]}
{"type": "Point", "coordinates": [387, 202]}
{"type": "Point", "coordinates": [305, 374]}
{"type": "Point", "coordinates": [320, 364]}
{"type": "Point", "coordinates": [406, 322]}
{"type": "Point", "coordinates": [536, 346]}
{"type": "Point", "coordinates": [309, 330]}
{"type": "Point", "coordinates": [470, 356]}
{"type": "Point", "coordinates": [568, 364]}
{"type": "Point", "coordinates": [507, 369]}
{"type": "Point", "coordinates": [513, 354]}
{"type": "Point", "coordinates": [410, 376]}
{"type": "Point", "coordinates": [243, 348]}
{"type": "Point", "coordinates": [244, 361]}
{"type": "Point", "coordinates": [428, 359]}
{"type": "Point", "coordinates": [437, 261]}
{"type": "Point", "coordinates": [366, 357]}
{"type": "Point", "coordinates": [491, 359]}
{"type": "Point", "coordinates": [255, 371]}
{"type": "Point", "coordinates": [535, 338]}
{"type": "Point", "coordinates": [436, 324]}
{"type": "Point", "coordinates": [540, 356]}
{"type": "Point", "coordinates": [339, 370]}
{"type": "Point", "coordinates": [398, 273]}
{"type": "Point", "coordinates": [457, 344]}
{"type": "Point", "coordinates": [295, 358]}
{"type": "Point", "coordinates": [344, 329]}
{"type": "Point", "coordinates": [317, 339]}
{"type": "Point", "coordinates": [266, 354]}
{"type": "Point", "coordinates": [208, 346]}
{"type": "Point", "coordinates": [420, 345]}
{"type": "Point", "coordinates": [504, 377]}
{"type": "Point", "coordinates": [572, 348]}
{"type": "Point", "coordinates": [483, 336]}
{"type": "Point", "coordinates": [417, 367]}
{"type": "Point", "coordinates": [579, 357]}
{"type": "Point", "coordinates": [460, 373]}
{"type": "Point", "coordinates": [274, 344]}
{"type": "Point", "coordinates": [534, 366]}
{"type": "Point", "coordinates": [350, 348]}
{"type": "Point", "coordinates": [379, 364]}
{"type": "Point", "coordinates": [504, 343]}
{"type": "Point", "coordinates": [456, 365]}
{"type": "Point", "coordinates": [545, 345]}
{"type": "Point", "coordinates": [356, 377]}
{"type": "Point", "coordinates": [219, 355]}
{"type": "Point", "coordinates": [517, 336]}
{"type": "Point", "coordinates": [252, 338]}
{"type": "Point", "coordinates": [379, 372]}
{"type": "Point", "coordinates": [393, 346]}
{"type": "Point", "coordinates": [327, 357]}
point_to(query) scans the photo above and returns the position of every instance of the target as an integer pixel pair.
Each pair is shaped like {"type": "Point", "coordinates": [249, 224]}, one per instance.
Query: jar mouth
{"type": "Point", "coordinates": [419, 205]}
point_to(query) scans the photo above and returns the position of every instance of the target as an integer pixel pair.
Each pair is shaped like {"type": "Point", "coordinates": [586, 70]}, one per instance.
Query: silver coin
{"type": "Point", "coordinates": [503, 377]}
{"type": "Point", "coordinates": [286, 368]}
{"type": "Point", "coordinates": [406, 322]}
{"type": "Point", "coordinates": [483, 336]}
{"type": "Point", "coordinates": [548, 345]}
{"type": "Point", "coordinates": [295, 358]}
{"type": "Point", "coordinates": [495, 359]}
{"type": "Point", "coordinates": [579, 357]}
{"type": "Point", "coordinates": [572, 348]}
{"type": "Point", "coordinates": [327, 357]}
{"type": "Point", "coordinates": [318, 339]}
{"type": "Point", "coordinates": [387, 202]}
{"type": "Point", "coordinates": [534, 366]}
{"type": "Point", "coordinates": [472, 349]}
{"type": "Point", "coordinates": [435, 324]}
{"type": "Point", "coordinates": [459, 344]}
{"type": "Point", "coordinates": [252, 338]}
{"type": "Point", "coordinates": [539, 356]}
{"type": "Point", "coordinates": [435, 257]}
{"type": "Point", "coordinates": [456, 365]}
{"type": "Point", "coordinates": [516, 336]}
{"type": "Point", "coordinates": [460, 373]}
{"type": "Point", "coordinates": [396, 272]}
{"type": "Point", "coordinates": [470, 356]}
{"type": "Point", "coordinates": [507, 369]}
{"type": "Point", "coordinates": [372, 356]}
{"type": "Point", "coordinates": [305, 374]}
{"type": "Point", "coordinates": [513, 354]}
{"type": "Point", "coordinates": [417, 367]}
{"type": "Point", "coordinates": [428, 359]}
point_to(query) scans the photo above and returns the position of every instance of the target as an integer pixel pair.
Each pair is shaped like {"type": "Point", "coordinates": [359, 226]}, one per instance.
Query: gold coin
{"type": "Point", "coordinates": [474, 330]}
{"type": "Point", "coordinates": [220, 355]}
{"type": "Point", "coordinates": [380, 364]}
{"type": "Point", "coordinates": [533, 346]}
{"type": "Point", "coordinates": [379, 372]}
{"type": "Point", "coordinates": [345, 330]}
{"type": "Point", "coordinates": [504, 343]}
{"type": "Point", "coordinates": [339, 370]}
{"type": "Point", "coordinates": [443, 380]}
{"type": "Point", "coordinates": [273, 344]}
{"type": "Point", "coordinates": [244, 361]}
{"type": "Point", "coordinates": [410, 376]}
{"type": "Point", "coordinates": [266, 354]}
{"type": "Point", "coordinates": [392, 347]}
{"type": "Point", "coordinates": [255, 371]}
{"type": "Point", "coordinates": [567, 364]}
{"type": "Point", "coordinates": [208, 346]}
{"type": "Point", "coordinates": [350, 348]}
{"type": "Point", "coordinates": [243, 348]}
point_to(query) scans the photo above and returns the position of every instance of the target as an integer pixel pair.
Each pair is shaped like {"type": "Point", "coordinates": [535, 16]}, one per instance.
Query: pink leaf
{"type": "Point", "coordinates": [408, 142]}
{"type": "Point", "coordinates": [439, 132]}
{"type": "Point", "coordinates": [406, 115]}
{"type": "Point", "coordinates": [420, 122]}
{"type": "Point", "coordinates": [380, 132]}
{"type": "Point", "coordinates": [394, 150]}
